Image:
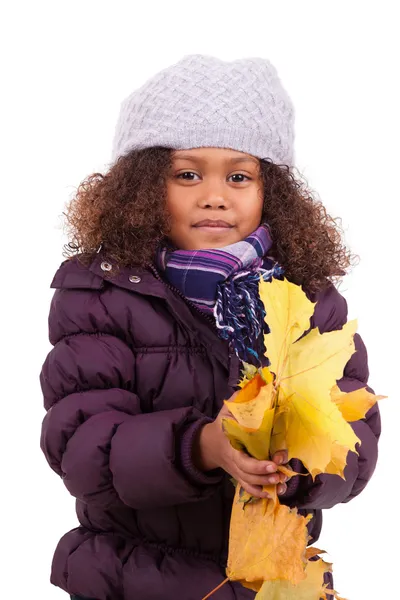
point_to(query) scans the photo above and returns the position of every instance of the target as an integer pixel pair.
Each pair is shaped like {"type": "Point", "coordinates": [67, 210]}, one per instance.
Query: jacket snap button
{"type": "Point", "coordinates": [105, 266]}
{"type": "Point", "coordinates": [135, 279]}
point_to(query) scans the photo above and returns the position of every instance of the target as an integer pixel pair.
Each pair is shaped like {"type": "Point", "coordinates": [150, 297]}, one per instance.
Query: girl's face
{"type": "Point", "coordinates": [214, 197]}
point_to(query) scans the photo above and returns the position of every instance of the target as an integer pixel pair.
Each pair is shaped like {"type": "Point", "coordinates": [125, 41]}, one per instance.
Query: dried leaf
{"type": "Point", "coordinates": [310, 588]}
{"type": "Point", "coordinates": [354, 405]}
{"type": "Point", "coordinates": [316, 362]}
{"type": "Point", "coordinates": [249, 371]}
{"type": "Point", "coordinates": [288, 472]}
{"type": "Point", "coordinates": [311, 428]}
{"type": "Point", "coordinates": [254, 418]}
{"type": "Point", "coordinates": [270, 505]}
{"type": "Point", "coordinates": [249, 411]}
{"type": "Point", "coordinates": [338, 460]}
{"type": "Point", "coordinates": [266, 545]}
{"type": "Point", "coordinates": [294, 404]}
{"type": "Point", "coordinates": [312, 551]}
{"type": "Point", "coordinates": [308, 423]}
{"type": "Point", "coordinates": [245, 497]}
{"type": "Point", "coordinates": [288, 316]}
{"type": "Point", "coordinates": [251, 389]}
{"type": "Point", "coordinates": [254, 441]}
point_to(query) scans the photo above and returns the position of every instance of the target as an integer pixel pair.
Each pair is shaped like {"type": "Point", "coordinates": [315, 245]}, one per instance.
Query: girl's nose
{"type": "Point", "coordinates": [214, 193]}
{"type": "Point", "coordinates": [212, 201]}
{"type": "Point", "coordinates": [213, 196]}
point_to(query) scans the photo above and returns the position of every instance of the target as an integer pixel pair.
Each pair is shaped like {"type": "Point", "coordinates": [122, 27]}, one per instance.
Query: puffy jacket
{"type": "Point", "coordinates": [133, 373]}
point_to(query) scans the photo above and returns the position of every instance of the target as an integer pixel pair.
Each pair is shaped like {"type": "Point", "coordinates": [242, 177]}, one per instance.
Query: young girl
{"type": "Point", "coordinates": [153, 313]}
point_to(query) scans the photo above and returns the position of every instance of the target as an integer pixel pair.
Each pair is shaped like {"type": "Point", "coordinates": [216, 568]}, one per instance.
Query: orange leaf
{"type": "Point", "coordinates": [311, 551]}
{"type": "Point", "coordinates": [354, 405]}
{"type": "Point", "coordinates": [294, 404]}
{"type": "Point", "coordinates": [288, 472]}
{"type": "Point", "coordinates": [250, 390]}
{"type": "Point", "coordinates": [254, 418]}
{"type": "Point", "coordinates": [266, 544]}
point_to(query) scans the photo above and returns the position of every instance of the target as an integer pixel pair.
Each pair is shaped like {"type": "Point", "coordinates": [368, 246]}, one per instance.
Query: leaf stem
{"type": "Point", "coordinates": [216, 589]}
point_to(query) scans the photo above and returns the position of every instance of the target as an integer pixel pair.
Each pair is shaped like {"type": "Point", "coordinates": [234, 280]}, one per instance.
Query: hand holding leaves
{"type": "Point", "coordinates": [214, 450]}
{"type": "Point", "coordinates": [296, 405]}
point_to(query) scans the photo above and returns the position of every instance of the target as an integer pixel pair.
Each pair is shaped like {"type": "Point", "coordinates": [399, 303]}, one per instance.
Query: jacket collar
{"type": "Point", "coordinates": [134, 279]}
{"type": "Point", "coordinates": [144, 281]}
{"type": "Point", "coordinates": [73, 274]}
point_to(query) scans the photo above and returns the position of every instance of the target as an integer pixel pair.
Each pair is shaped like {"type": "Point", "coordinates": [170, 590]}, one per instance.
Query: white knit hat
{"type": "Point", "coordinates": [204, 101]}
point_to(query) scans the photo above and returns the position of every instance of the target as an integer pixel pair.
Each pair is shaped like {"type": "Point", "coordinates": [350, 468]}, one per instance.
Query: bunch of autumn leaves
{"type": "Point", "coordinates": [293, 404]}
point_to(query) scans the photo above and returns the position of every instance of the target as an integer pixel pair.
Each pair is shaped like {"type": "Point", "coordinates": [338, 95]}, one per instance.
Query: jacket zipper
{"type": "Point", "coordinates": [209, 318]}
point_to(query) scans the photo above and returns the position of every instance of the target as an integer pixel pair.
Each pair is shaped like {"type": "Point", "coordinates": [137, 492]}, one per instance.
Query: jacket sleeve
{"type": "Point", "coordinates": [327, 490]}
{"type": "Point", "coordinates": [95, 434]}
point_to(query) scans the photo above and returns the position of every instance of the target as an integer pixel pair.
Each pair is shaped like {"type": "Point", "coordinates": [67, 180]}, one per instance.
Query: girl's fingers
{"type": "Point", "coordinates": [283, 478]}
{"type": "Point", "coordinates": [260, 479]}
{"type": "Point", "coordinates": [254, 490]}
{"type": "Point", "coordinates": [257, 491]}
{"type": "Point", "coordinates": [252, 466]}
{"type": "Point", "coordinates": [280, 457]}
{"type": "Point", "coordinates": [281, 488]}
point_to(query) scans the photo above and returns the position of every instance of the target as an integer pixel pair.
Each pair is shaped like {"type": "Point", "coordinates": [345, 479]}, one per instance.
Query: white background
{"type": "Point", "coordinates": [65, 69]}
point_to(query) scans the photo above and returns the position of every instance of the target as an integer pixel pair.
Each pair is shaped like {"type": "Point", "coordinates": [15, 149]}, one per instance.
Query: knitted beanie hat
{"type": "Point", "coordinates": [204, 101]}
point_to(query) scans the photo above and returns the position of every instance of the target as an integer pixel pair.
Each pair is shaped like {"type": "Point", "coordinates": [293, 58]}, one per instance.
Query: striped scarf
{"type": "Point", "coordinates": [224, 282]}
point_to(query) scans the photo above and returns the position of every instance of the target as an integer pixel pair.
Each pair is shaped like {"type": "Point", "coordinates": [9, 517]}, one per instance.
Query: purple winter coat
{"type": "Point", "coordinates": [133, 374]}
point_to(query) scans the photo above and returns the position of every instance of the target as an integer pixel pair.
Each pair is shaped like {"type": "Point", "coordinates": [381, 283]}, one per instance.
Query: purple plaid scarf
{"type": "Point", "coordinates": [224, 282]}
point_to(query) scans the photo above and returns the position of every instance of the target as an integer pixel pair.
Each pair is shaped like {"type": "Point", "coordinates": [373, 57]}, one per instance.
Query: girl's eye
{"type": "Point", "coordinates": [185, 173]}
{"type": "Point", "coordinates": [191, 173]}
{"type": "Point", "coordinates": [239, 175]}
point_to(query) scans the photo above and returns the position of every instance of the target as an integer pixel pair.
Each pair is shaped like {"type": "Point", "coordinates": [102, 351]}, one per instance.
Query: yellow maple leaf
{"type": "Point", "coordinates": [354, 405]}
{"type": "Point", "coordinates": [314, 364]}
{"type": "Point", "coordinates": [338, 460]}
{"type": "Point", "coordinates": [306, 370]}
{"type": "Point", "coordinates": [310, 588]}
{"type": "Point", "coordinates": [294, 404]}
{"type": "Point", "coordinates": [310, 429]}
{"type": "Point", "coordinates": [288, 316]}
{"type": "Point", "coordinates": [266, 545]}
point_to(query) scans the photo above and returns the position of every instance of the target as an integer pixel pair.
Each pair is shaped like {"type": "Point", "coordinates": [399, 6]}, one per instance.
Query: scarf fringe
{"type": "Point", "coordinates": [239, 312]}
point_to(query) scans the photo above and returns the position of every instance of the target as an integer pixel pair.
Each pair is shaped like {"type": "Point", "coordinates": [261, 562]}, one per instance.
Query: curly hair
{"type": "Point", "coordinates": [124, 212]}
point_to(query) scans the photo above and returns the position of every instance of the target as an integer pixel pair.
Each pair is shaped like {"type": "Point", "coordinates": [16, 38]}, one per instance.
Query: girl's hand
{"type": "Point", "coordinates": [214, 450]}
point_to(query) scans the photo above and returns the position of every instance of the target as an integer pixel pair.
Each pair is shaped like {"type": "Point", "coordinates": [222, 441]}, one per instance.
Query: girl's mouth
{"type": "Point", "coordinates": [213, 225]}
